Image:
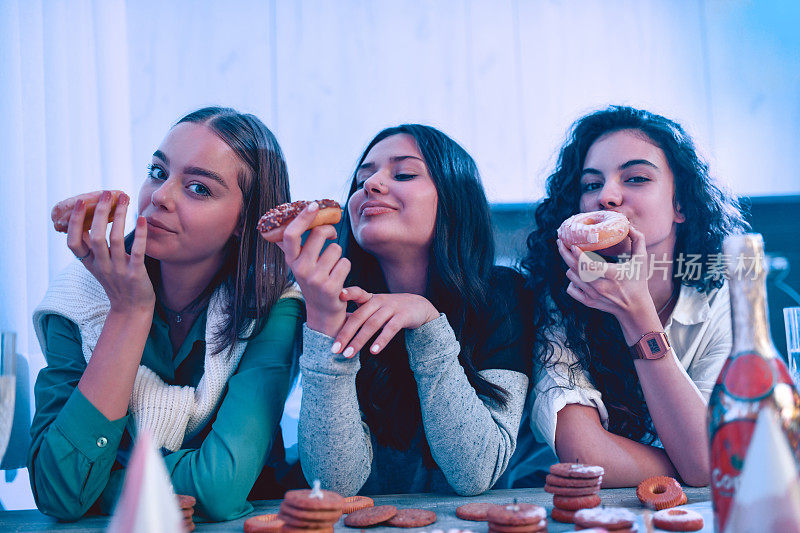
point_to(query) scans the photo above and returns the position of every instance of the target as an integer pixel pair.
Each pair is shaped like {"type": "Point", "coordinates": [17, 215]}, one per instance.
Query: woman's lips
{"type": "Point", "coordinates": [375, 210]}
{"type": "Point", "coordinates": [154, 224]}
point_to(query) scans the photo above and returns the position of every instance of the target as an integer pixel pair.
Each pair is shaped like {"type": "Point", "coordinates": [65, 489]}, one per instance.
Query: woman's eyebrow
{"type": "Point", "coordinates": [633, 162]}
{"type": "Point", "coordinates": [592, 171]}
{"type": "Point", "coordinates": [197, 171]}
{"type": "Point", "coordinates": [162, 156]}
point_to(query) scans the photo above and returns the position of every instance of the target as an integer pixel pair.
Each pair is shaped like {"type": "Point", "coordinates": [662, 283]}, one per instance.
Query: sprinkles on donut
{"type": "Point", "coordinates": [273, 221]}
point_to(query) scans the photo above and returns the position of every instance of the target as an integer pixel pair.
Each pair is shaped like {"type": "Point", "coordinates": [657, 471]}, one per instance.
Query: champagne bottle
{"type": "Point", "coordinates": [753, 376]}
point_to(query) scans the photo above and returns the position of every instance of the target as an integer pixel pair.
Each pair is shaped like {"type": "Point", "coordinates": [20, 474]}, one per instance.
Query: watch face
{"type": "Point", "coordinates": [655, 349]}
{"type": "Point", "coordinates": [652, 346]}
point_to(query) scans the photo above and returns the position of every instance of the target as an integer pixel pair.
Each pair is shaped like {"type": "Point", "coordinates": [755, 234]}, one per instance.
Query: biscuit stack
{"type": "Point", "coordinates": [310, 510]}
{"type": "Point", "coordinates": [574, 486]}
{"type": "Point", "coordinates": [517, 518]}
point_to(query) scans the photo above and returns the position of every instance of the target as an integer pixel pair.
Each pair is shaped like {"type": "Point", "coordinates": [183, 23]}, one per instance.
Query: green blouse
{"type": "Point", "coordinates": [78, 456]}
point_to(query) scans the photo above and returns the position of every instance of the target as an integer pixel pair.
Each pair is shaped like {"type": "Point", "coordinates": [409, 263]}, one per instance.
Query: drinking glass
{"type": "Point", "coordinates": [8, 386]}
{"type": "Point", "coordinates": [791, 317]}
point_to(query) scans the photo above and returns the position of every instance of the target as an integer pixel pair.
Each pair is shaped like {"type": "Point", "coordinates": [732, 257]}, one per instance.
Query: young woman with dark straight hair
{"type": "Point", "coordinates": [189, 321]}
{"type": "Point", "coordinates": [420, 388]}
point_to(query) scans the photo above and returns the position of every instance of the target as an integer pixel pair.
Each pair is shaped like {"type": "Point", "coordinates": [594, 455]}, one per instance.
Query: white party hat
{"type": "Point", "coordinates": [768, 489]}
{"type": "Point", "coordinates": [147, 503]}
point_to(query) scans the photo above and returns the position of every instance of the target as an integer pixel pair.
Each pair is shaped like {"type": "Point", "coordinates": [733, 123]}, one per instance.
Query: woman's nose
{"type": "Point", "coordinates": [610, 195]}
{"type": "Point", "coordinates": [164, 196]}
{"type": "Point", "coordinates": [376, 184]}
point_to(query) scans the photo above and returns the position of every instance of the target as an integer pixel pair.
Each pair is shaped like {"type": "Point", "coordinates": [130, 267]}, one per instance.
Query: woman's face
{"type": "Point", "coordinates": [625, 171]}
{"type": "Point", "coordinates": [191, 196]}
{"type": "Point", "coordinates": [393, 209]}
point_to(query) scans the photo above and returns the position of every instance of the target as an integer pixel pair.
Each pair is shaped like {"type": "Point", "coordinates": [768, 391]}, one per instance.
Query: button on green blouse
{"type": "Point", "coordinates": [78, 456]}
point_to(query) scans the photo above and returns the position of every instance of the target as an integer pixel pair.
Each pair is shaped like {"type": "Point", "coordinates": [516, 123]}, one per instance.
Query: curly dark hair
{"type": "Point", "coordinates": [460, 274]}
{"type": "Point", "coordinates": [595, 337]}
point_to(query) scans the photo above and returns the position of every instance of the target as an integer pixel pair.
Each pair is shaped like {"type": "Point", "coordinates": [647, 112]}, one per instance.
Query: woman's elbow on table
{"type": "Point", "coordinates": [579, 435]}
{"type": "Point", "coordinates": [56, 504]}
{"type": "Point", "coordinates": [697, 475]}
{"type": "Point", "coordinates": [223, 506]}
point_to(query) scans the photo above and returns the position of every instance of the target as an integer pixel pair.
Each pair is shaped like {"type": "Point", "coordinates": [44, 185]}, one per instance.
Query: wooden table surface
{"type": "Point", "coordinates": [443, 505]}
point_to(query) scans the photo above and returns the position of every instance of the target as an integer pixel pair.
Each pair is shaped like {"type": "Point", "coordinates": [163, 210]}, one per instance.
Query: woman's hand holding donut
{"type": "Point", "coordinates": [320, 275]}
{"type": "Point", "coordinates": [618, 291]}
{"type": "Point", "coordinates": [387, 313]}
{"type": "Point", "coordinates": [122, 275]}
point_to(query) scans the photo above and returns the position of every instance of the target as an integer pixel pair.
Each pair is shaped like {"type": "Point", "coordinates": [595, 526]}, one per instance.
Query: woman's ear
{"type": "Point", "coordinates": [679, 216]}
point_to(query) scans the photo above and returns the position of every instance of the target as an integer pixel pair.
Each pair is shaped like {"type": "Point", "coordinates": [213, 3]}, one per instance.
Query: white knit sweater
{"type": "Point", "coordinates": [170, 413]}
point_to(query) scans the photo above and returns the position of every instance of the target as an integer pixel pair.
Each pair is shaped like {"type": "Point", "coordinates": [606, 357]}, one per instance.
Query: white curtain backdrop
{"type": "Point", "coordinates": [89, 88]}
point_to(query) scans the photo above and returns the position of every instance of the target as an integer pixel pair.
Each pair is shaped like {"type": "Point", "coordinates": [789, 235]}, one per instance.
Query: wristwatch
{"type": "Point", "coordinates": [653, 345]}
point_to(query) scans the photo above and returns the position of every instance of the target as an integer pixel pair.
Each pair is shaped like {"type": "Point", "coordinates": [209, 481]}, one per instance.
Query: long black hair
{"type": "Point", "coordinates": [461, 260]}
{"type": "Point", "coordinates": [254, 273]}
{"type": "Point", "coordinates": [593, 336]}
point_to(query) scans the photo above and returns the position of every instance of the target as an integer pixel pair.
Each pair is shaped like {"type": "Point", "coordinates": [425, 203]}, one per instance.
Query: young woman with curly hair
{"type": "Point", "coordinates": [433, 401]}
{"type": "Point", "coordinates": [594, 401]}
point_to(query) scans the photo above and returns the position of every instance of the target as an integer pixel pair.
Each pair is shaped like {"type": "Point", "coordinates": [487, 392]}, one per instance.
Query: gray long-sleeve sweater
{"type": "Point", "coordinates": [471, 439]}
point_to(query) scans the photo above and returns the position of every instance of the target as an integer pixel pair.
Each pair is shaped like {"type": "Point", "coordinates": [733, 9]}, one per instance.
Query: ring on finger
{"type": "Point", "coordinates": [82, 257]}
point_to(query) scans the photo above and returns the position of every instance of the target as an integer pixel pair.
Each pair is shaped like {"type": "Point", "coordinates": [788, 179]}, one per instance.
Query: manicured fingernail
{"type": "Point", "coordinates": [349, 352]}
{"type": "Point", "coordinates": [106, 196]}
{"type": "Point", "coordinates": [375, 348]}
{"type": "Point", "coordinates": [336, 347]}
{"type": "Point", "coordinates": [344, 291]}
{"type": "Point", "coordinates": [79, 204]}
{"type": "Point", "coordinates": [313, 206]}
{"type": "Point", "coordinates": [124, 199]}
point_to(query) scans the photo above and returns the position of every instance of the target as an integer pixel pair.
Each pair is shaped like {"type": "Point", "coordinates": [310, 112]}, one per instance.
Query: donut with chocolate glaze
{"type": "Point", "coordinates": [274, 222]}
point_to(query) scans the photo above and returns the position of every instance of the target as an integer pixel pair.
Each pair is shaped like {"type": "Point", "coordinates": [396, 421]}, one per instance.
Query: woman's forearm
{"type": "Point", "coordinates": [108, 380]}
{"type": "Point", "coordinates": [580, 437]}
{"type": "Point", "coordinates": [678, 411]}
{"type": "Point", "coordinates": [675, 404]}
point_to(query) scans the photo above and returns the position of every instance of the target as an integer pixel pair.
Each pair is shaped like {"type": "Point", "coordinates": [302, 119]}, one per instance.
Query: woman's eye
{"type": "Point", "coordinates": [404, 177]}
{"type": "Point", "coordinates": [638, 179]}
{"type": "Point", "coordinates": [199, 189]}
{"type": "Point", "coordinates": [156, 172]}
{"type": "Point", "coordinates": [590, 186]}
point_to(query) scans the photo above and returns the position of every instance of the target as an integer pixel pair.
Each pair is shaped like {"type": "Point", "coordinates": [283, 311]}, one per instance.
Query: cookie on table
{"type": "Point", "coordinates": [307, 516]}
{"type": "Point", "coordinates": [660, 492]}
{"type": "Point", "coordinates": [412, 518]}
{"type": "Point", "coordinates": [314, 499]}
{"type": "Point", "coordinates": [575, 503]}
{"type": "Point", "coordinates": [265, 523]}
{"type": "Point", "coordinates": [572, 491]}
{"type": "Point", "coordinates": [370, 516]}
{"type": "Point", "coordinates": [577, 470]}
{"type": "Point", "coordinates": [564, 516]}
{"type": "Point", "coordinates": [517, 518]}
{"type": "Point", "coordinates": [606, 517]}
{"type": "Point", "coordinates": [529, 528]}
{"type": "Point", "coordinates": [475, 511]}
{"type": "Point", "coordinates": [559, 481]}
{"type": "Point", "coordinates": [516, 514]}
{"type": "Point", "coordinates": [678, 520]}
{"type": "Point", "coordinates": [354, 503]}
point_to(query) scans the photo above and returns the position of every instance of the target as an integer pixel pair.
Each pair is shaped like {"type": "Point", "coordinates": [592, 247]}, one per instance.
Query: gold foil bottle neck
{"type": "Point", "coordinates": [747, 276]}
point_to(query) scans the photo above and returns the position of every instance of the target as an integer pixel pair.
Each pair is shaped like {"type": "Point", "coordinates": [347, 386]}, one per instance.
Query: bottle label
{"type": "Point", "coordinates": [728, 449]}
{"type": "Point", "coordinates": [748, 376]}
